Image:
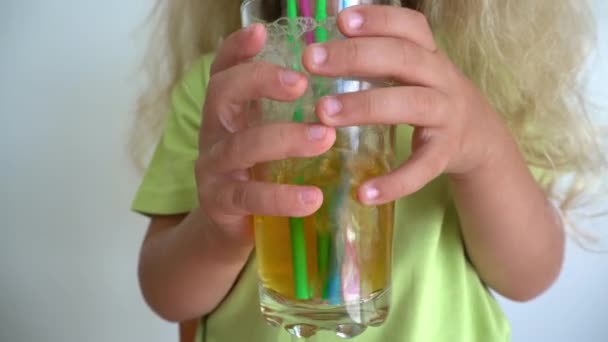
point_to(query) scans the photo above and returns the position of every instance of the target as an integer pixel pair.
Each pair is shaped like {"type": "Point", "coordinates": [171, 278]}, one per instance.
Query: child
{"type": "Point", "coordinates": [485, 91]}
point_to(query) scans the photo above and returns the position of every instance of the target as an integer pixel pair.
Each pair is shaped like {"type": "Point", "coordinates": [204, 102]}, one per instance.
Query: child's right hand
{"type": "Point", "coordinates": [182, 253]}
{"type": "Point", "coordinates": [229, 147]}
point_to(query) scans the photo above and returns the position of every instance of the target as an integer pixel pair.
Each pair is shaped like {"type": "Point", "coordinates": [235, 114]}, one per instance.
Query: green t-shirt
{"type": "Point", "coordinates": [436, 294]}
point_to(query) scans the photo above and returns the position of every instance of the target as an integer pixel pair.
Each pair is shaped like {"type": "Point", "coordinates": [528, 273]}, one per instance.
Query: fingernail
{"type": "Point", "coordinates": [308, 196]}
{"type": "Point", "coordinates": [289, 78]}
{"type": "Point", "coordinates": [319, 55]}
{"type": "Point", "coordinates": [331, 106]}
{"type": "Point", "coordinates": [354, 20]}
{"type": "Point", "coordinates": [317, 132]}
{"type": "Point", "coordinates": [371, 193]}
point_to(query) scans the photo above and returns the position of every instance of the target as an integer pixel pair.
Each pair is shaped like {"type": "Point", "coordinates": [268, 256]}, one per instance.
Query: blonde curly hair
{"type": "Point", "coordinates": [526, 56]}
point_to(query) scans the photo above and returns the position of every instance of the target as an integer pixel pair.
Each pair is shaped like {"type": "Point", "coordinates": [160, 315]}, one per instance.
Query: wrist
{"type": "Point", "coordinates": [226, 244]}
{"type": "Point", "coordinates": [500, 154]}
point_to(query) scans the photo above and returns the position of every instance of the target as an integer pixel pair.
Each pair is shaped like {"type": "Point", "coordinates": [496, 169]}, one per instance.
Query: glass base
{"type": "Point", "coordinates": [304, 320]}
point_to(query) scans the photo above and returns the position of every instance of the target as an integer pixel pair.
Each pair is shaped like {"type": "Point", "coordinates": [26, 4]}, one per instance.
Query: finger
{"type": "Point", "coordinates": [426, 163]}
{"type": "Point", "coordinates": [405, 61]}
{"type": "Point", "coordinates": [239, 47]}
{"type": "Point", "coordinates": [270, 142]}
{"type": "Point", "coordinates": [398, 22]}
{"type": "Point", "coordinates": [230, 91]}
{"type": "Point", "coordinates": [416, 106]}
{"type": "Point", "coordinates": [247, 198]}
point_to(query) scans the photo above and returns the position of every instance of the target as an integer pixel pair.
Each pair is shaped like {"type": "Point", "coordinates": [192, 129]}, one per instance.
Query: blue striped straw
{"type": "Point", "coordinates": [334, 282]}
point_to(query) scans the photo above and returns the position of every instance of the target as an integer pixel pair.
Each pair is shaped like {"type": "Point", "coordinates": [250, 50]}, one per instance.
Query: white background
{"type": "Point", "coordinates": [68, 244]}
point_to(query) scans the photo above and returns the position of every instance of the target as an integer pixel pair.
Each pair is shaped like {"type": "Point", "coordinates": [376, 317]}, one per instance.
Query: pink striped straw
{"type": "Point", "coordinates": [307, 12]}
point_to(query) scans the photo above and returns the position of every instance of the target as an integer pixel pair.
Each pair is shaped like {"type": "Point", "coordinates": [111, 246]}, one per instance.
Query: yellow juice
{"type": "Point", "coordinates": [360, 237]}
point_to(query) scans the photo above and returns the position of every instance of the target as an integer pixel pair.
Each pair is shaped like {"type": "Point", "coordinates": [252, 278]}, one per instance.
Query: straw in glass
{"type": "Point", "coordinates": [296, 224]}
{"type": "Point", "coordinates": [307, 13]}
{"type": "Point", "coordinates": [323, 238]}
{"type": "Point", "coordinates": [320, 16]}
{"type": "Point", "coordinates": [332, 288]}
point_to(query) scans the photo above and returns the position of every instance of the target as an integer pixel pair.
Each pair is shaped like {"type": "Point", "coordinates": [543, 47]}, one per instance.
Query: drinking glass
{"type": "Point", "coordinates": [331, 270]}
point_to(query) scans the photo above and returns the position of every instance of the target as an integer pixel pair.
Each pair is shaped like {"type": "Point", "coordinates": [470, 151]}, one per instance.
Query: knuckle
{"type": "Point", "coordinates": [454, 76]}
{"type": "Point", "coordinates": [284, 146]}
{"type": "Point", "coordinates": [210, 212]}
{"type": "Point", "coordinates": [353, 49]}
{"type": "Point", "coordinates": [239, 196]}
{"type": "Point", "coordinates": [207, 202]}
{"type": "Point", "coordinates": [458, 113]}
{"type": "Point", "coordinates": [369, 103]}
{"type": "Point", "coordinates": [420, 19]}
{"type": "Point", "coordinates": [276, 199]}
{"type": "Point", "coordinates": [442, 107]}
{"type": "Point", "coordinates": [206, 196]}
{"type": "Point", "coordinates": [282, 199]}
{"type": "Point", "coordinates": [215, 88]}
{"type": "Point", "coordinates": [402, 185]}
{"type": "Point", "coordinates": [283, 133]}
{"type": "Point", "coordinates": [219, 201]}
{"type": "Point", "coordinates": [424, 102]}
{"type": "Point", "coordinates": [257, 72]}
{"type": "Point", "coordinates": [234, 152]}
{"type": "Point", "coordinates": [435, 165]}
{"type": "Point", "coordinates": [404, 54]}
{"type": "Point", "coordinates": [202, 170]}
{"type": "Point", "coordinates": [213, 69]}
{"type": "Point", "coordinates": [213, 84]}
{"type": "Point", "coordinates": [213, 152]}
{"type": "Point", "coordinates": [385, 17]}
{"type": "Point", "coordinates": [204, 178]}
{"type": "Point", "coordinates": [217, 62]}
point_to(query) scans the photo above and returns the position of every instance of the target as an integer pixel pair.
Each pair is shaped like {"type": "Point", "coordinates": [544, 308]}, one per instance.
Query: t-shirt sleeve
{"type": "Point", "coordinates": [169, 186]}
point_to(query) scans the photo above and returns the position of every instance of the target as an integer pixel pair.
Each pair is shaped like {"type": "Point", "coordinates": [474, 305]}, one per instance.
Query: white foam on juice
{"type": "Point", "coordinates": [284, 45]}
{"type": "Point", "coordinates": [285, 38]}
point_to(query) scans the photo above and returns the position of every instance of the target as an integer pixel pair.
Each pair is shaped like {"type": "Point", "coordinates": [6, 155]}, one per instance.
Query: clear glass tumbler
{"type": "Point", "coordinates": [332, 270]}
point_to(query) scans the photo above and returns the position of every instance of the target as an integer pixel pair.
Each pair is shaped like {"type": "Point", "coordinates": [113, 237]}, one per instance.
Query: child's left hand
{"type": "Point", "coordinates": [456, 129]}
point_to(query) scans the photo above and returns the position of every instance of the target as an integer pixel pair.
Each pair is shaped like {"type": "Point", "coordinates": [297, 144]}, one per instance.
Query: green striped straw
{"type": "Point", "coordinates": [296, 224]}
{"type": "Point", "coordinates": [320, 16]}
{"type": "Point", "coordinates": [323, 238]}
